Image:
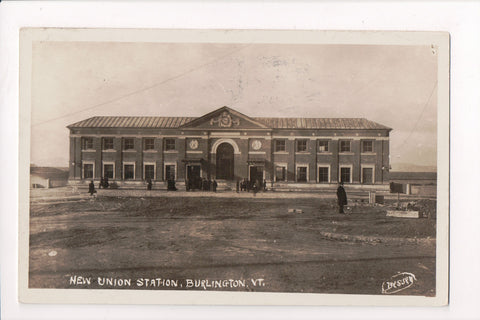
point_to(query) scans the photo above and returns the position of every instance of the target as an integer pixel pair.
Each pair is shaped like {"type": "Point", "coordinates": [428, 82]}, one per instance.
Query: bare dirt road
{"type": "Point", "coordinates": [228, 243]}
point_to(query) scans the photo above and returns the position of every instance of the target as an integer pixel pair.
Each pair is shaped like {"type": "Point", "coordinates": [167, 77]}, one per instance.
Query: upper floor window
{"type": "Point", "coordinates": [107, 143]}
{"type": "Point", "coordinates": [128, 144]}
{"type": "Point", "coordinates": [87, 143]}
{"type": "Point", "coordinates": [345, 146]}
{"type": "Point", "coordinates": [280, 146]}
{"type": "Point", "coordinates": [301, 145]}
{"type": "Point", "coordinates": [148, 144]}
{"type": "Point", "coordinates": [169, 144]}
{"type": "Point", "coordinates": [367, 146]}
{"type": "Point", "coordinates": [323, 146]}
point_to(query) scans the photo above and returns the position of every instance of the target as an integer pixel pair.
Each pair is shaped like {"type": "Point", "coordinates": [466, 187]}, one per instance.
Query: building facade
{"type": "Point", "coordinates": [227, 145]}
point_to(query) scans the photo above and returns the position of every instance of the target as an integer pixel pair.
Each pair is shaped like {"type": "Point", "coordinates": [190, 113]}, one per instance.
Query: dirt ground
{"type": "Point", "coordinates": [228, 243]}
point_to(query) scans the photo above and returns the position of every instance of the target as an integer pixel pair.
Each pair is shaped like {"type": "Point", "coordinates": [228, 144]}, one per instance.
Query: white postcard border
{"type": "Point", "coordinates": [438, 39]}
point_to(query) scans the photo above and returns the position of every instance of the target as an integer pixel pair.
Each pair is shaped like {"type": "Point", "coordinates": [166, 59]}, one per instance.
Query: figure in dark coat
{"type": "Point", "coordinates": [256, 187]}
{"type": "Point", "coordinates": [215, 184]}
{"type": "Point", "coordinates": [341, 197]}
{"type": "Point", "coordinates": [91, 188]}
{"type": "Point", "coordinates": [243, 185]}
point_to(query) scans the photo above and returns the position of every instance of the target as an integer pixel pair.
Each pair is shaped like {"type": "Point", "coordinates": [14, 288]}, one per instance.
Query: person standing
{"type": "Point", "coordinates": [91, 188]}
{"type": "Point", "coordinates": [341, 197]}
{"type": "Point", "coordinates": [215, 184]}
{"type": "Point", "coordinates": [256, 187]}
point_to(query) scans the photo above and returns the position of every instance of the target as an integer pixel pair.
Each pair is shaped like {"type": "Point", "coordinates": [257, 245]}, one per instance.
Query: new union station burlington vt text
{"type": "Point", "coordinates": [229, 146]}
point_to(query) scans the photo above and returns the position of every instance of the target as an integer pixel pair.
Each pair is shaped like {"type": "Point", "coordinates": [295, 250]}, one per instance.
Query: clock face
{"type": "Point", "coordinates": [194, 144]}
{"type": "Point", "coordinates": [256, 144]}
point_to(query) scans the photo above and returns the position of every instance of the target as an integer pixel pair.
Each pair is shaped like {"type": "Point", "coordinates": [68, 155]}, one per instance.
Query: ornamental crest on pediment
{"type": "Point", "coordinates": [225, 120]}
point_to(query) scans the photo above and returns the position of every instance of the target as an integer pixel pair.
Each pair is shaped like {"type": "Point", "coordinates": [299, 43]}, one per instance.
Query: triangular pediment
{"type": "Point", "coordinates": [225, 118]}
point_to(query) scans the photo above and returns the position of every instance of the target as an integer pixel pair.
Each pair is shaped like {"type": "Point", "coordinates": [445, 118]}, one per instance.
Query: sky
{"type": "Point", "coordinates": [393, 85]}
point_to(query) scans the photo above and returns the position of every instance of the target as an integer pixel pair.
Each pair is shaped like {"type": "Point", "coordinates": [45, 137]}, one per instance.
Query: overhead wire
{"type": "Point", "coordinates": [142, 89]}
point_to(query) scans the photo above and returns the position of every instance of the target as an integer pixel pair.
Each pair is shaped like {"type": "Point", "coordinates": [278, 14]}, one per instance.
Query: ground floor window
{"type": "Point", "coordinates": [170, 172]}
{"type": "Point", "coordinates": [128, 171]}
{"type": "Point", "coordinates": [368, 175]}
{"type": "Point", "coordinates": [280, 173]}
{"type": "Point", "coordinates": [108, 171]}
{"type": "Point", "coordinates": [323, 176]}
{"type": "Point", "coordinates": [345, 174]}
{"type": "Point", "coordinates": [149, 171]}
{"type": "Point", "coordinates": [301, 174]}
{"type": "Point", "coordinates": [88, 170]}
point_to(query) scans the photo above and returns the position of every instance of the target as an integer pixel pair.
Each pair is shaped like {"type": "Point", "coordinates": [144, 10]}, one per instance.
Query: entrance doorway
{"type": "Point", "coordinates": [256, 173]}
{"type": "Point", "coordinates": [193, 177]}
{"type": "Point", "coordinates": [225, 165]}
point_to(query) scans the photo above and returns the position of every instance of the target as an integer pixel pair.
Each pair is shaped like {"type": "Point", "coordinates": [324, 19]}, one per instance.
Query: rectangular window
{"type": "Point", "coordinates": [88, 171]}
{"type": "Point", "coordinates": [323, 175]}
{"type": "Point", "coordinates": [301, 145]}
{"type": "Point", "coordinates": [107, 143]}
{"type": "Point", "coordinates": [129, 171]}
{"type": "Point", "coordinates": [87, 143]}
{"type": "Point", "coordinates": [128, 144]}
{"type": "Point", "coordinates": [280, 146]}
{"type": "Point", "coordinates": [148, 144]}
{"type": "Point", "coordinates": [367, 175]}
{"type": "Point", "coordinates": [280, 173]}
{"type": "Point", "coordinates": [108, 171]}
{"type": "Point", "coordinates": [323, 146]}
{"type": "Point", "coordinates": [345, 146]}
{"type": "Point", "coordinates": [169, 144]}
{"type": "Point", "coordinates": [345, 175]}
{"type": "Point", "coordinates": [367, 146]}
{"type": "Point", "coordinates": [170, 172]}
{"type": "Point", "coordinates": [301, 174]}
{"type": "Point", "coordinates": [149, 171]}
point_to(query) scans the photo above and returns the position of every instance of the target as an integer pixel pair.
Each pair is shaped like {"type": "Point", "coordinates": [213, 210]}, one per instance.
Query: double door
{"type": "Point", "coordinates": [256, 174]}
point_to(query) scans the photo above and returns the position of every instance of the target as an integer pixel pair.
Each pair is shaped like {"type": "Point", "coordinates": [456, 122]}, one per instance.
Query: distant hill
{"type": "Point", "coordinates": [409, 167]}
{"type": "Point", "coordinates": [50, 172]}
{"type": "Point", "coordinates": [398, 175]}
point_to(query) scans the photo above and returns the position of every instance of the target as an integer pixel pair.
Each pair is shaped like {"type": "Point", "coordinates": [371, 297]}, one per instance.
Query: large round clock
{"type": "Point", "coordinates": [193, 144]}
{"type": "Point", "coordinates": [256, 144]}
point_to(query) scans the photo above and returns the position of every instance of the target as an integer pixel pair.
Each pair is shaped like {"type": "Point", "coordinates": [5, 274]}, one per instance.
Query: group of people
{"type": "Point", "coordinates": [251, 185]}
{"type": "Point", "coordinates": [201, 184]}
{"type": "Point", "coordinates": [102, 184]}
{"type": "Point", "coordinates": [209, 185]}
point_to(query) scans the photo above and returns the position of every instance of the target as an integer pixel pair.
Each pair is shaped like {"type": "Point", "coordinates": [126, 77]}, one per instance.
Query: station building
{"type": "Point", "coordinates": [227, 145]}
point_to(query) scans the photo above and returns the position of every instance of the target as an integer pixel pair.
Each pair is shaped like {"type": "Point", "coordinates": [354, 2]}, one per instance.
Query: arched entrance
{"type": "Point", "coordinates": [224, 164]}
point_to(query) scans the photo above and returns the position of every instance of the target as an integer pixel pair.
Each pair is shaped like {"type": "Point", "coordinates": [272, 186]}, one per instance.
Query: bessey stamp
{"type": "Point", "coordinates": [398, 282]}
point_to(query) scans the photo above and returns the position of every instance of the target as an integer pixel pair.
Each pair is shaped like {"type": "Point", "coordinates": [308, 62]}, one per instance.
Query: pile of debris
{"type": "Point", "coordinates": [422, 208]}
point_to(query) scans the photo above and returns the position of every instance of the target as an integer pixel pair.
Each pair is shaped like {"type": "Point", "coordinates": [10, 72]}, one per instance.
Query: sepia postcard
{"type": "Point", "coordinates": [239, 167]}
